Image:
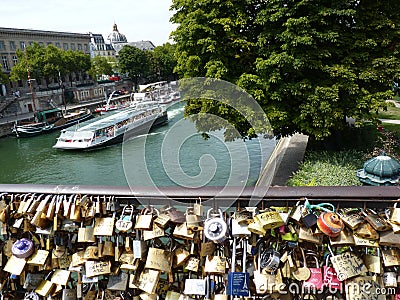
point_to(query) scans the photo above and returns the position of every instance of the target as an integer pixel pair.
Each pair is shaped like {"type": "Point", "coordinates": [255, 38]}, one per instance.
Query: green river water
{"type": "Point", "coordinates": [167, 159]}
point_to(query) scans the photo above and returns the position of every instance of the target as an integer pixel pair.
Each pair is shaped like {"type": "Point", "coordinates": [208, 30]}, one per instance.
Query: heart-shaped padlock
{"type": "Point", "coordinates": [215, 227]}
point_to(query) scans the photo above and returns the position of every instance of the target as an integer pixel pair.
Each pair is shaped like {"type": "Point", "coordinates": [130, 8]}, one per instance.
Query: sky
{"type": "Point", "coordinates": [137, 19]}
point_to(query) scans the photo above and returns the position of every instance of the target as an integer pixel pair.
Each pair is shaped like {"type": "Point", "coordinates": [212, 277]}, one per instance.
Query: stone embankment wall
{"type": "Point", "coordinates": [5, 129]}
{"type": "Point", "coordinates": [7, 123]}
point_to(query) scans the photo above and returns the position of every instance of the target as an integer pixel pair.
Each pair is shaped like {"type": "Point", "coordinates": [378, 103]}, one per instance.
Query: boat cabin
{"type": "Point", "coordinates": [49, 116]}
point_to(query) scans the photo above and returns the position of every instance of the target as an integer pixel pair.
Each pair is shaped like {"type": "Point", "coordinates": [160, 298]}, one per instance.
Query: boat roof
{"type": "Point", "coordinates": [110, 119]}
{"type": "Point", "coordinates": [143, 87]}
{"type": "Point", "coordinates": [48, 111]}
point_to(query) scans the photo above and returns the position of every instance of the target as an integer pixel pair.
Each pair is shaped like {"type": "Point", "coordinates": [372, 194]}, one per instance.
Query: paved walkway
{"type": "Point", "coordinates": [284, 160]}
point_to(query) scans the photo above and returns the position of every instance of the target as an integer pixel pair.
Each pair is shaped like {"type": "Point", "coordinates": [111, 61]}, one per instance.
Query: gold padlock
{"type": "Point", "coordinates": [108, 248]}
{"type": "Point", "coordinates": [270, 219]}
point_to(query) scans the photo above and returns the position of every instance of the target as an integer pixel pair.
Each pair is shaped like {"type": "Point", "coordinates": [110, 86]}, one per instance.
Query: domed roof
{"type": "Point", "coordinates": [380, 170]}
{"type": "Point", "coordinates": [116, 37]}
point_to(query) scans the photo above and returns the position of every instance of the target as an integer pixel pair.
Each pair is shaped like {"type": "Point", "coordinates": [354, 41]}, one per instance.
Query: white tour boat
{"type": "Point", "coordinates": [110, 129]}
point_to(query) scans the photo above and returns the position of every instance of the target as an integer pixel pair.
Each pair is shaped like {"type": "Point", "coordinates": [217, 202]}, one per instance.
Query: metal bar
{"type": "Point", "coordinates": [372, 196]}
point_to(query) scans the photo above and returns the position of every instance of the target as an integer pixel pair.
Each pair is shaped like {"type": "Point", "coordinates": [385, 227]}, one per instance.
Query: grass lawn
{"type": "Point", "coordinates": [338, 167]}
{"type": "Point", "coordinates": [391, 113]}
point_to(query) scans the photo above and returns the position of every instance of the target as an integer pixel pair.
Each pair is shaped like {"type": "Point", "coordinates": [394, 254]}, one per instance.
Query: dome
{"type": "Point", "coordinates": [116, 37]}
{"type": "Point", "coordinates": [380, 170]}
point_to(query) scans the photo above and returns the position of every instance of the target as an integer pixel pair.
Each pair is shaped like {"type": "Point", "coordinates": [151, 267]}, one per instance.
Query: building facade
{"type": "Point", "coordinates": [12, 39]}
{"type": "Point", "coordinates": [116, 41]}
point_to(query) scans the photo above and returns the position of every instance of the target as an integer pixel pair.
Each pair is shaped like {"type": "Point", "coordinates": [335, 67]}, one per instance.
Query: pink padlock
{"type": "Point", "coordinates": [315, 282]}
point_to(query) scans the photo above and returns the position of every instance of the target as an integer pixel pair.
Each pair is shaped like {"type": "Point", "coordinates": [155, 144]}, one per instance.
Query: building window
{"type": "Point", "coordinates": [31, 43]}
{"type": "Point", "coordinates": [12, 45]}
{"type": "Point", "coordinates": [49, 43]}
{"type": "Point", "coordinates": [80, 47]}
{"type": "Point", "coordinates": [72, 46]}
{"type": "Point", "coordinates": [58, 45]}
{"type": "Point", "coordinates": [85, 46]}
{"type": "Point", "coordinates": [15, 60]}
{"type": "Point", "coordinates": [2, 45]}
{"type": "Point", "coordinates": [65, 46]}
{"type": "Point", "coordinates": [22, 45]}
{"type": "Point", "coordinates": [4, 62]}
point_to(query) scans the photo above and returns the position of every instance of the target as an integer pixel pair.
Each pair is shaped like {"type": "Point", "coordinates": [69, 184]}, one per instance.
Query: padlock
{"type": "Point", "coordinates": [195, 286]}
{"type": "Point", "coordinates": [269, 257]}
{"type": "Point", "coordinates": [198, 209]}
{"type": "Point", "coordinates": [365, 230]}
{"type": "Point", "coordinates": [239, 229]}
{"type": "Point", "coordinates": [376, 221]}
{"type": "Point", "coordinates": [215, 227]}
{"type": "Point", "coordinates": [257, 228]}
{"type": "Point", "coordinates": [395, 215]}
{"type": "Point", "coordinates": [315, 281]}
{"type": "Point", "coordinates": [238, 282]}
{"type": "Point", "coordinates": [175, 215]}
{"type": "Point", "coordinates": [265, 282]}
{"type": "Point", "coordinates": [330, 278]}
{"type": "Point", "coordinates": [139, 246]}
{"type": "Point", "coordinates": [144, 220]}
{"type": "Point", "coordinates": [308, 218]}
{"type": "Point", "coordinates": [46, 287]}
{"type": "Point", "coordinates": [330, 224]}
{"type": "Point", "coordinates": [193, 221]}
{"type": "Point", "coordinates": [108, 248]}
{"type": "Point", "coordinates": [270, 219]}
{"type": "Point", "coordinates": [34, 204]}
{"type": "Point", "coordinates": [351, 217]}
{"type": "Point", "coordinates": [300, 273]}
{"type": "Point", "coordinates": [348, 265]}
{"type": "Point", "coordinates": [395, 226]}
{"type": "Point", "coordinates": [216, 263]}
{"type": "Point", "coordinates": [243, 216]}
{"type": "Point", "coordinates": [389, 278]}
{"type": "Point", "coordinates": [124, 224]}
{"type": "Point", "coordinates": [75, 213]}
{"type": "Point", "coordinates": [372, 262]}
{"type": "Point", "coordinates": [345, 238]}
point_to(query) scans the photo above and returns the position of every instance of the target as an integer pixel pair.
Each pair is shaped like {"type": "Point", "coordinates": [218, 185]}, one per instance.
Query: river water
{"type": "Point", "coordinates": [171, 155]}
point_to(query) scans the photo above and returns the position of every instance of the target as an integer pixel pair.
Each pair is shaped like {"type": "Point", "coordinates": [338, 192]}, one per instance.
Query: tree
{"type": "Point", "coordinates": [48, 62]}
{"type": "Point", "coordinates": [309, 63]}
{"type": "Point", "coordinates": [134, 62]}
{"type": "Point", "coordinates": [165, 61]}
{"type": "Point", "coordinates": [33, 59]}
{"type": "Point", "coordinates": [100, 66]}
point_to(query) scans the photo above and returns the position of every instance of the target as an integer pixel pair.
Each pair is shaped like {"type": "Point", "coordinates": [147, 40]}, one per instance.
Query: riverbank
{"type": "Point", "coordinates": [7, 123]}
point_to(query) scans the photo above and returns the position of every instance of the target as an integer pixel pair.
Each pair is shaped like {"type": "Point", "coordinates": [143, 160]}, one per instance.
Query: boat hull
{"type": "Point", "coordinates": [24, 131]}
{"type": "Point", "coordinates": [129, 133]}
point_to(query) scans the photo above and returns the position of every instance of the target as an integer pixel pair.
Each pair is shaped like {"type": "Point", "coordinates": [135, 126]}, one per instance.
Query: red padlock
{"type": "Point", "coordinates": [330, 224]}
{"type": "Point", "coordinates": [315, 282]}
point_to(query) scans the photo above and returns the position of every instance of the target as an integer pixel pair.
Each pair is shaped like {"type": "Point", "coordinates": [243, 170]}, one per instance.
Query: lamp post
{"type": "Point", "coordinates": [62, 91]}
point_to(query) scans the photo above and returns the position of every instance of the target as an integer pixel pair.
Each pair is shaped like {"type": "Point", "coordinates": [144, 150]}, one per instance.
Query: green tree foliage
{"type": "Point", "coordinates": [48, 62]}
{"type": "Point", "coordinates": [100, 66]}
{"type": "Point", "coordinates": [309, 63]}
{"type": "Point", "coordinates": [164, 61]}
{"type": "Point", "coordinates": [134, 62]}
